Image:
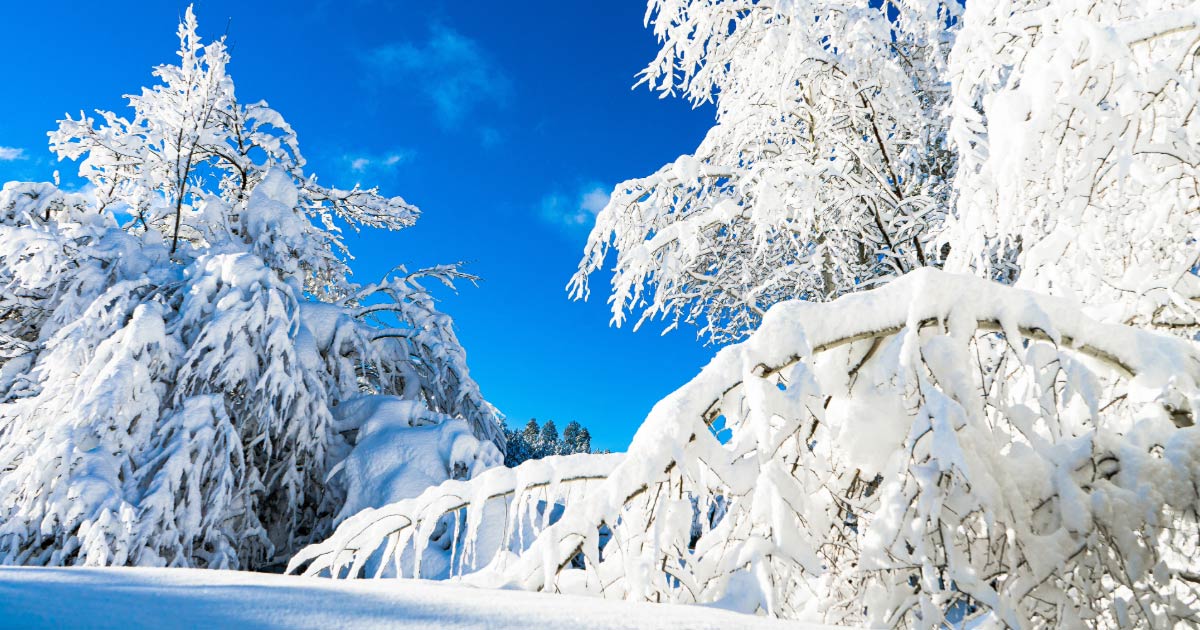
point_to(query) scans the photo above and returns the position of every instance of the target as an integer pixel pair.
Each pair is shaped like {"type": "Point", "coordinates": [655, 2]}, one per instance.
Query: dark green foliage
{"type": "Point", "coordinates": [535, 442]}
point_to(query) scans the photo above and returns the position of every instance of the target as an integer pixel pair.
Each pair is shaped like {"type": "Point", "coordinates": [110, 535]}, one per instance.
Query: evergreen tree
{"type": "Point", "coordinates": [583, 442]}
{"type": "Point", "coordinates": [570, 433]}
{"type": "Point", "coordinates": [535, 442]}
{"type": "Point", "coordinates": [531, 433]}
{"type": "Point", "coordinates": [548, 440]}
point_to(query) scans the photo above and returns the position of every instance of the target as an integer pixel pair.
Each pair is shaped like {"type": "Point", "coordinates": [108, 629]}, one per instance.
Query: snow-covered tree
{"type": "Point", "coordinates": [187, 161]}
{"type": "Point", "coordinates": [548, 439]}
{"type": "Point", "coordinates": [937, 451]}
{"type": "Point", "coordinates": [1047, 143]}
{"type": "Point", "coordinates": [826, 171]}
{"type": "Point", "coordinates": [171, 391]}
{"type": "Point", "coordinates": [1076, 129]}
{"type": "Point", "coordinates": [534, 442]}
{"type": "Point", "coordinates": [530, 439]}
{"type": "Point", "coordinates": [576, 439]}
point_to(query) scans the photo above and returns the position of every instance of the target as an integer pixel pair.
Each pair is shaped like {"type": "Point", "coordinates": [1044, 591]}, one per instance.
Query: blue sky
{"type": "Point", "coordinates": [507, 123]}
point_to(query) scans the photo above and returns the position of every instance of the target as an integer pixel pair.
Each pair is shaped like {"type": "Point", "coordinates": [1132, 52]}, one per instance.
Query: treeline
{"type": "Point", "coordinates": [537, 441]}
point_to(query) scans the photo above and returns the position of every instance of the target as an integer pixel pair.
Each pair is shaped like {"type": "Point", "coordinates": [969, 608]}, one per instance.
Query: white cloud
{"type": "Point", "coordinates": [575, 211]}
{"type": "Point", "coordinates": [450, 69]}
{"type": "Point", "coordinates": [378, 166]}
{"type": "Point", "coordinates": [8, 154]}
{"type": "Point", "coordinates": [593, 201]}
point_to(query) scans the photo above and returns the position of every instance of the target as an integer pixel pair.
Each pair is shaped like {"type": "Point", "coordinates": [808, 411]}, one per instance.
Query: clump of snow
{"type": "Point", "coordinates": [402, 448]}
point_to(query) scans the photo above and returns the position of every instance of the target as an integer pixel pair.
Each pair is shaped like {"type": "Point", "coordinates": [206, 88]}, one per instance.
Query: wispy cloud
{"type": "Point", "coordinates": [8, 154]}
{"type": "Point", "coordinates": [452, 71]}
{"type": "Point", "coordinates": [375, 167]}
{"type": "Point", "coordinates": [577, 210]}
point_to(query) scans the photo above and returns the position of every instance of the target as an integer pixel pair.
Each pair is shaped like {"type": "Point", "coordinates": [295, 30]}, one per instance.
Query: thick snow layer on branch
{"type": "Point", "coordinates": [1025, 465]}
{"type": "Point", "coordinates": [524, 494]}
{"type": "Point", "coordinates": [1075, 129]}
{"type": "Point", "coordinates": [402, 448]}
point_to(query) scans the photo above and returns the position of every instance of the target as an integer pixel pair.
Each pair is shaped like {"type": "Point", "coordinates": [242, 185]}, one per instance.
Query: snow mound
{"type": "Point", "coordinates": [402, 448]}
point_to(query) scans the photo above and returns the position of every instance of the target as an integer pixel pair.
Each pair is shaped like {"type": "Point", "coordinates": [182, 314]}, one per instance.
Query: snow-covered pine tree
{"type": "Point", "coordinates": [515, 449]}
{"type": "Point", "coordinates": [548, 442]}
{"type": "Point", "coordinates": [534, 442]}
{"type": "Point", "coordinates": [532, 434]}
{"type": "Point", "coordinates": [576, 439]}
{"type": "Point", "coordinates": [582, 443]}
{"type": "Point", "coordinates": [171, 392]}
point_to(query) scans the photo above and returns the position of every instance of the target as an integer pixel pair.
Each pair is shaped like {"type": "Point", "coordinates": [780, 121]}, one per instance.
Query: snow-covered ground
{"type": "Point", "coordinates": [195, 598]}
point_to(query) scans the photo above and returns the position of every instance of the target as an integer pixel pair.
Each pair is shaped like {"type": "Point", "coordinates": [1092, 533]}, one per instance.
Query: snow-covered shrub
{"type": "Point", "coordinates": [943, 444]}
{"type": "Point", "coordinates": [170, 388]}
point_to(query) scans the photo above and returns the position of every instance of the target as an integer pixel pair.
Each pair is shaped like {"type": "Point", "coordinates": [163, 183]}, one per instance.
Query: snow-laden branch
{"type": "Point", "coordinates": [826, 170]}
{"type": "Point", "coordinates": [1074, 124]}
{"type": "Point", "coordinates": [533, 485]}
{"type": "Point", "coordinates": [940, 445]}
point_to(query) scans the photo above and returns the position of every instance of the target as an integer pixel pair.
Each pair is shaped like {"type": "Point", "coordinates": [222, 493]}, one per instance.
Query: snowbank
{"type": "Point", "coordinates": [197, 598]}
